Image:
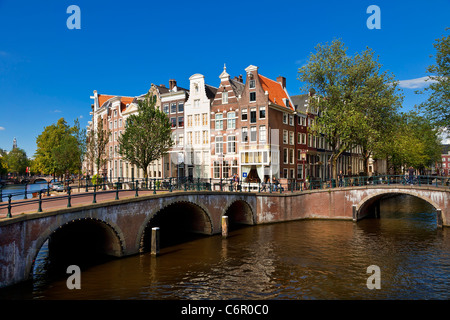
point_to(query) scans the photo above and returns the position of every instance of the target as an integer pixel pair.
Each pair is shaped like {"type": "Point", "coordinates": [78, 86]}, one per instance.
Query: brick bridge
{"type": "Point", "coordinates": [123, 227]}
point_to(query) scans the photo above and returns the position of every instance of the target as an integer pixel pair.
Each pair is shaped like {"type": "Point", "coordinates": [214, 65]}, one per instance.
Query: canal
{"type": "Point", "coordinates": [310, 259]}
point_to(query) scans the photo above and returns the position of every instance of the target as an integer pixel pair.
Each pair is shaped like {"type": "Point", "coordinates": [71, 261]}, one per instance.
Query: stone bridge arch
{"type": "Point", "coordinates": [239, 211]}
{"type": "Point", "coordinates": [195, 215]}
{"type": "Point", "coordinates": [113, 240]}
{"type": "Point", "coordinates": [369, 205]}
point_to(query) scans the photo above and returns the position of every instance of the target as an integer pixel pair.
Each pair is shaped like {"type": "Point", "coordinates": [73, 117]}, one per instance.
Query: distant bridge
{"type": "Point", "coordinates": [123, 227]}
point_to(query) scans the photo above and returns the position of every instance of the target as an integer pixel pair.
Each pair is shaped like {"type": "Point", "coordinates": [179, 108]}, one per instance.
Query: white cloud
{"type": "Point", "coordinates": [81, 117]}
{"type": "Point", "coordinates": [416, 83]}
{"type": "Point", "coordinates": [2, 128]}
{"type": "Point", "coordinates": [57, 111]}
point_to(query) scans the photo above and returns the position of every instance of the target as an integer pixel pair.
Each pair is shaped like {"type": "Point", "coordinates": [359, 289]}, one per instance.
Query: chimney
{"type": "Point", "coordinates": [172, 83]}
{"type": "Point", "coordinates": [162, 85]}
{"type": "Point", "coordinates": [282, 81]}
{"type": "Point", "coordinates": [240, 79]}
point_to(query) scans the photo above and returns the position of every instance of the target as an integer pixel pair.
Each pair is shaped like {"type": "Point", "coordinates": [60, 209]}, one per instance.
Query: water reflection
{"type": "Point", "coordinates": [297, 260]}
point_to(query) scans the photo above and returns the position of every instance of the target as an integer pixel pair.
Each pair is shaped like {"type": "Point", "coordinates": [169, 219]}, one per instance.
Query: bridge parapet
{"type": "Point", "coordinates": [126, 220]}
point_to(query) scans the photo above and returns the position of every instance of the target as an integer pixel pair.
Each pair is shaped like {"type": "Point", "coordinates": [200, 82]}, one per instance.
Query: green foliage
{"type": "Point", "coordinates": [147, 136]}
{"type": "Point", "coordinates": [414, 142]}
{"type": "Point", "coordinates": [354, 98]}
{"type": "Point", "coordinates": [97, 179]}
{"type": "Point", "coordinates": [17, 161]}
{"type": "Point", "coordinates": [437, 106]}
{"type": "Point", "coordinates": [59, 149]}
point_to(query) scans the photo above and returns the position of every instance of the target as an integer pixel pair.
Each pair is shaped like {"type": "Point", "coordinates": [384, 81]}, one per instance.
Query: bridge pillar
{"type": "Point", "coordinates": [224, 226]}
{"type": "Point", "coordinates": [439, 218]}
{"type": "Point", "coordinates": [155, 241]}
{"type": "Point", "coordinates": [354, 213]}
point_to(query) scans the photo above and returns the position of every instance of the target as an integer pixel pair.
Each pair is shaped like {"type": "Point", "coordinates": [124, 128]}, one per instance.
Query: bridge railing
{"type": "Point", "coordinates": [13, 200]}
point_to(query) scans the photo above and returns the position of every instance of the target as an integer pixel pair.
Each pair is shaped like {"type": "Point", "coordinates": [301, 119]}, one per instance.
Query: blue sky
{"type": "Point", "coordinates": [48, 71]}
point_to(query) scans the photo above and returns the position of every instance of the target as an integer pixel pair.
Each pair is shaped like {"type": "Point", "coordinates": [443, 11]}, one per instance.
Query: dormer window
{"type": "Point", "coordinates": [252, 84]}
{"type": "Point", "coordinates": [224, 97]}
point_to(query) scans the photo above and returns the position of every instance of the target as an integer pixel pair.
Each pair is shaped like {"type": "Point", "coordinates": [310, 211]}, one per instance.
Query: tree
{"type": "Point", "coordinates": [3, 163]}
{"type": "Point", "coordinates": [353, 98]}
{"type": "Point", "coordinates": [414, 142]}
{"type": "Point", "coordinates": [147, 136]}
{"type": "Point", "coordinates": [96, 142]}
{"type": "Point", "coordinates": [17, 161]}
{"type": "Point", "coordinates": [58, 149]}
{"type": "Point", "coordinates": [437, 106]}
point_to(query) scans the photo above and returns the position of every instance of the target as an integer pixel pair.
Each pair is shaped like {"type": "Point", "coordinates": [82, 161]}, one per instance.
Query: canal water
{"type": "Point", "coordinates": [311, 259]}
{"type": "Point", "coordinates": [17, 191]}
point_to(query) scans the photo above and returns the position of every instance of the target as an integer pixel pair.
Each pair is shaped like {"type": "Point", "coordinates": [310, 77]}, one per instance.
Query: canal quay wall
{"type": "Point", "coordinates": [124, 223]}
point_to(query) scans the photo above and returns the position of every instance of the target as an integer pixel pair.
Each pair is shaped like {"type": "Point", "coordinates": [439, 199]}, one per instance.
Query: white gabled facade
{"type": "Point", "coordinates": [197, 134]}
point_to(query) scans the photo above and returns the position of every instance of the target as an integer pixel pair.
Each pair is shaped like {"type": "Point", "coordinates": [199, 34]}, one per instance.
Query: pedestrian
{"type": "Point", "coordinates": [235, 182]}
{"type": "Point", "coordinates": [411, 174]}
{"type": "Point", "coordinates": [341, 178]}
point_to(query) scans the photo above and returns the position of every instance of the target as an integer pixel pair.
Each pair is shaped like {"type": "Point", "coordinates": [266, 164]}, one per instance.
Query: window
{"type": "Point", "coordinates": [180, 122]}
{"type": "Point", "coordinates": [166, 109]}
{"type": "Point", "coordinates": [291, 120]}
{"type": "Point", "coordinates": [244, 114]}
{"type": "Point", "coordinates": [110, 124]}
{"type": "Point", "coordinates": [180, 106]}
{"type": "Point", "coordinates": [231, 147]}
{"type": "Point", "coordinates": [262, 112]}
{"type": "Point", "coordinates": [231, 120]}
{"type": "Point", "coordinates": [292, 156]}
{"type": "Point", "coordinates": [120, 123]}
{"type": "Point", "coordinates": [253, 115]}
{"type": "Point", "coordinates": [252, 96]}
{"type": "Point", "coordinates": [291, 137]}
{"type": "Point", "coordinates": [205, 137]}
{"type": "Point", "coordinates": [189, 140]}
{"type": "Point", "coordinates": [302, 121]}
{"type": "Point", "coordinates": [303, 138]}
{"type": "Point", "coordinates": [262, 134]}
{"type": "Point", "coordinates": [285, 137]}
{"type": "Point", "coordinates": [244, 134]}
{"type": "Point", "coordinates": [173, 122]}
{"type": "Point", "coordinates": [224, 97]}
{"type": "Point", "coordinates": [197, 137]}
{"type": "Point", "coordinates": [189, 121]}
{"type": "Point", "coordinates": [173, 108]}
{"type": "Point", "coordinates": [253, 134]}
{"type": "Point", "coordinates": [219, 145]}
{"type": "Point", "coordinates": [285, 155]}
{"type": "Point", "coordinates": [285, 118]}
{"type": "Point", "coordinates": [216, 169]}
{"type": "Point", "coordinates": [197, 120]}
{"type": "Point", "coordinates": [252, 84]}
{"type": "Point", "coordinates": [219, 121]}
{"type": "Point", "coordinates": [196, 103]}
{"type": "Point", "coordinates": [225, 169]}
{"type": "Point", "coordinates": [180, 139]}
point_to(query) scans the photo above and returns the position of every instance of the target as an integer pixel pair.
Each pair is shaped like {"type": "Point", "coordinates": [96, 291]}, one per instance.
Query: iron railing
{"type": "Point", "coordinates": [85, 188]}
